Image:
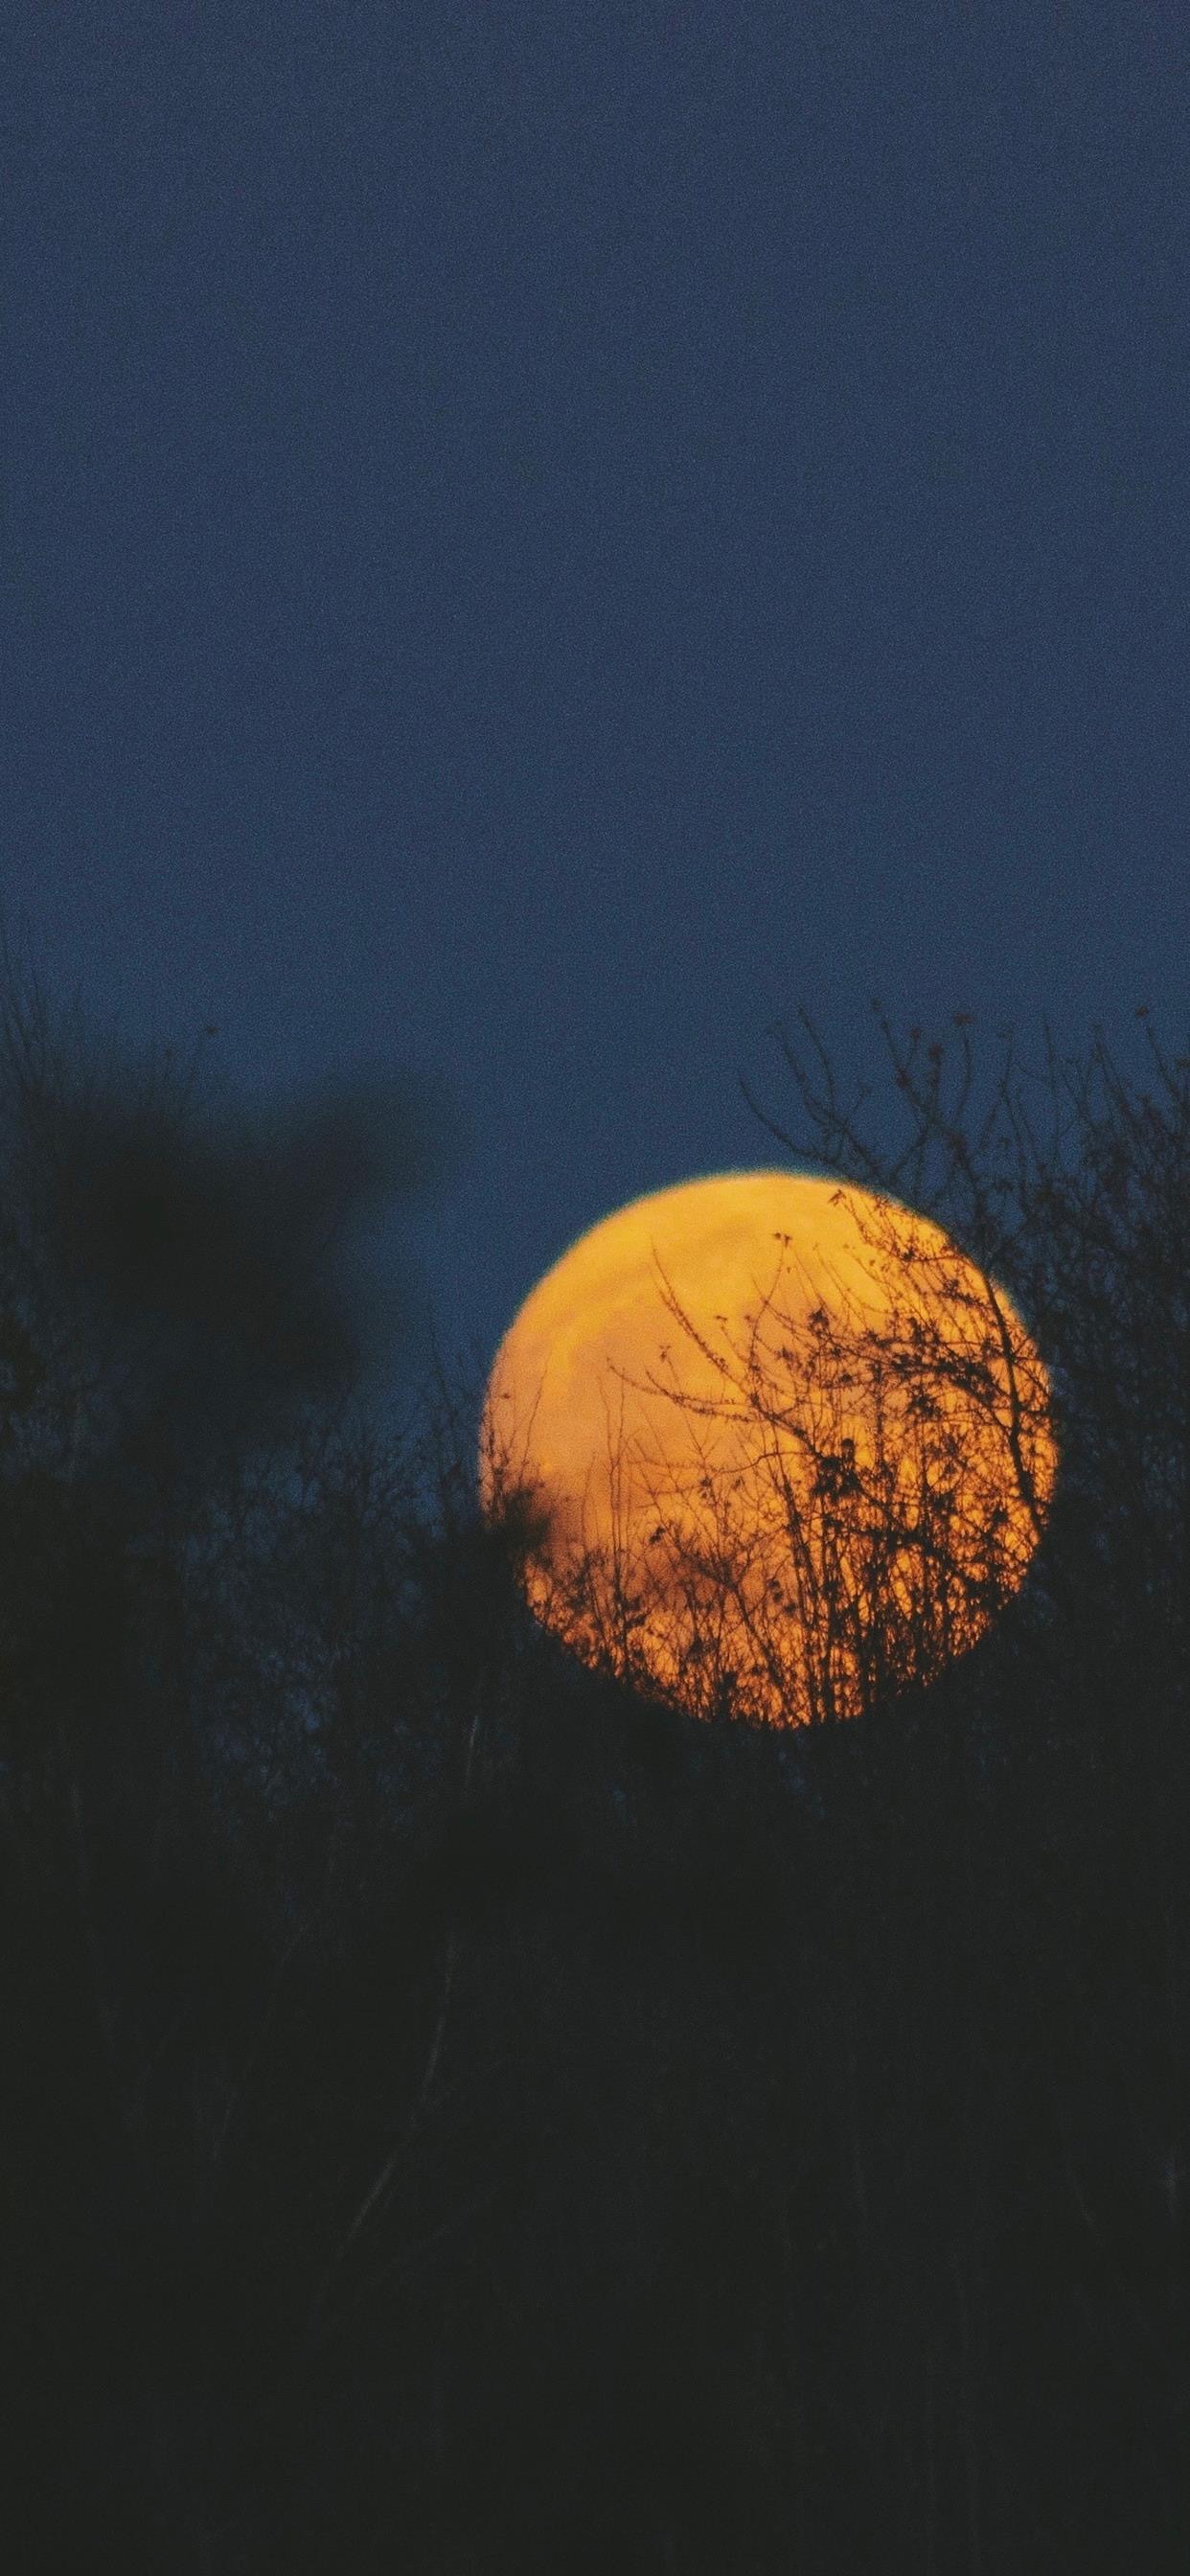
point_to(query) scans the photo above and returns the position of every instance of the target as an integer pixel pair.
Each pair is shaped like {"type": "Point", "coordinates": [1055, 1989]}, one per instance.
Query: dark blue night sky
{"type": "Point", "coordinates": [541, 537]}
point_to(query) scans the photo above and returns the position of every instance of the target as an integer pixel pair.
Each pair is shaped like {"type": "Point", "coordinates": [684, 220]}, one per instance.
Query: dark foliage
{"type": "Point", "coordinates": [459, 2117]}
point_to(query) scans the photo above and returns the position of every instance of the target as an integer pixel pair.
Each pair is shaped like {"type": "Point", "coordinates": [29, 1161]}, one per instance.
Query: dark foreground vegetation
{"type": "Point", "coordinates": [458, 2117]}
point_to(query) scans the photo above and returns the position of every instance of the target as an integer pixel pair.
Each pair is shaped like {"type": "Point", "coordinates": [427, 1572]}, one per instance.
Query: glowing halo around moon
{"type": "Point", "coordinates": [784, 1448]}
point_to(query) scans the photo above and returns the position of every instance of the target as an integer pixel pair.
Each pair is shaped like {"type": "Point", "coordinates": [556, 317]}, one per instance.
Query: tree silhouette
{"type": "Point", "coordinates": [465, 2113]}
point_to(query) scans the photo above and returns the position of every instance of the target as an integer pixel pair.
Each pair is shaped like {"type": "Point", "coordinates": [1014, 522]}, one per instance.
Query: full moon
{"type": "Point", "coordinates": [780, 1448]}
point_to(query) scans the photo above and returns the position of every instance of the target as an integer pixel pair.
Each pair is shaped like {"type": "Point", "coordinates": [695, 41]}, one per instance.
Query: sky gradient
{"type": "Point", "coordinates": [539, 539]}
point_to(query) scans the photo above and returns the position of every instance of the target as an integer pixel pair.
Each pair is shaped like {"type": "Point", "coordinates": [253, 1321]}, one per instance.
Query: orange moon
{"type": "Point", "coordinates": [787, 1449]}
